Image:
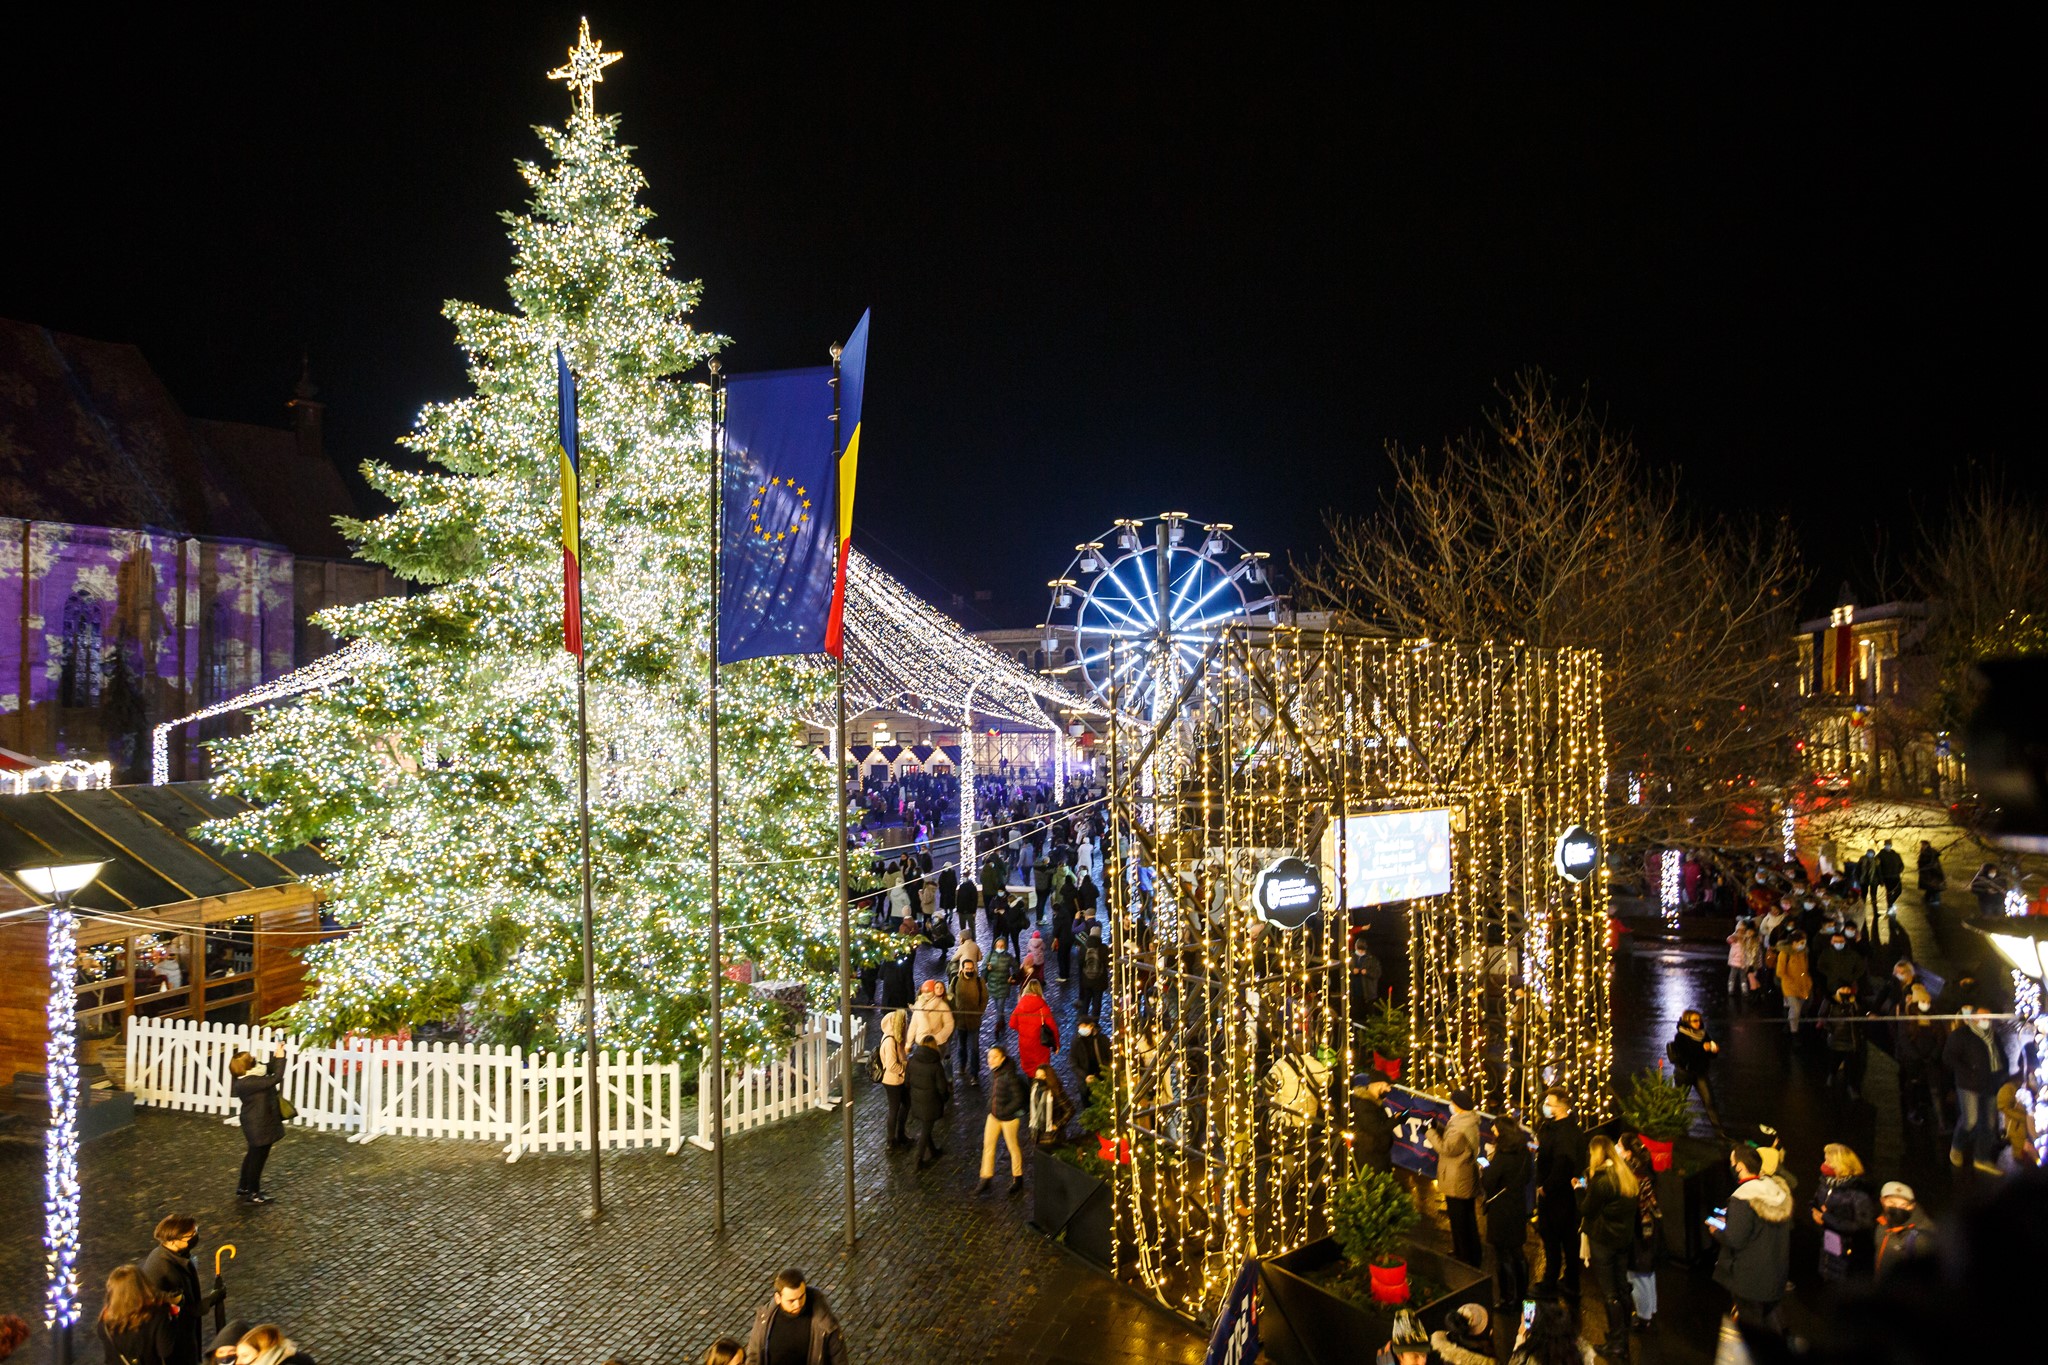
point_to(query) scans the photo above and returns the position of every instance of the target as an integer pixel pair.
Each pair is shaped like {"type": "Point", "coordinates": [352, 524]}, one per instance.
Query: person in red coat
{"type": "Point", "coordinates": [1038, 1033]}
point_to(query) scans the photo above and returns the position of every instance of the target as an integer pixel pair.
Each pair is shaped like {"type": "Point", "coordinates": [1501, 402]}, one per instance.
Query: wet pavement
{"type": "Point", "coordinates": [414, 1250]}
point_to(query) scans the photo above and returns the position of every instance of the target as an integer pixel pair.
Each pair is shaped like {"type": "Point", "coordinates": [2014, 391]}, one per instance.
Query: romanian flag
{"type": "Point", "coordinates": [853, 375]}
{"type": "Point", "coordinates": [572, 533]}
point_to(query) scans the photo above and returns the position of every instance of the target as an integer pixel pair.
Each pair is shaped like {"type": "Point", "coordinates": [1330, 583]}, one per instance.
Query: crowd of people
{"type": "Point", "coordinates": [981, 1022]}
{"type": "Point", "coordinates": [1585, 1205]}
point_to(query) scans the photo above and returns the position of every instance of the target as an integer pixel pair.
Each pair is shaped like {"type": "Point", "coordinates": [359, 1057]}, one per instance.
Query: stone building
{"type": "Point", "coordinates": [152, 563]}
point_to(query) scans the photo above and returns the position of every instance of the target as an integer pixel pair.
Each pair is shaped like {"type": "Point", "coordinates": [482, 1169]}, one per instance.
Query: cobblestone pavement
{"type": "Point", "coordinates": [417, 1250]}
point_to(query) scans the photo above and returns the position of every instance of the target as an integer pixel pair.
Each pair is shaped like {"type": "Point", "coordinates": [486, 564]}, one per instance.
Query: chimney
{"type": "Point", "coordinates": [306, 410]}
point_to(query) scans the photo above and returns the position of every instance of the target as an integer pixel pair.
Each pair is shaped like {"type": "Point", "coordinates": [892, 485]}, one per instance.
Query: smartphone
{"type": "Point", "coordinates": [1528, 1313]}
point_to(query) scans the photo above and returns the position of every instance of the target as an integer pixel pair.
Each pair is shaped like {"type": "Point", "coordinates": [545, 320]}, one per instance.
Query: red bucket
{"type": "Point", "coordinates": [1389, 1282]}
{"type": "Point", "coordinates": [1660, 1153]}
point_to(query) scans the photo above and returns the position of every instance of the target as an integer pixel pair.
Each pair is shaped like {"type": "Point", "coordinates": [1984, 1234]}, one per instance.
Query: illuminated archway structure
{"type": "Point", "coordinates": [1235, 1046]}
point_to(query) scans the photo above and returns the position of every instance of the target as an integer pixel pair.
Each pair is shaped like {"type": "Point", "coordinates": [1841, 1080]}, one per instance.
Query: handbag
{"type": "Point", "coordinates": [1046, 1038]}
{"type": "Point", "coordinates": [286, 1110]}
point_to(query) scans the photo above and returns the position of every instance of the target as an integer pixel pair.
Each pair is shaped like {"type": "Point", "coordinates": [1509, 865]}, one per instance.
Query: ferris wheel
{"type": "Point", "coordinates": [1142, 603]}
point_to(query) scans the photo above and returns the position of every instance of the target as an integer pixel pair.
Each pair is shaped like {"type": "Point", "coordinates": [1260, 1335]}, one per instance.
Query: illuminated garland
{"type": "Point", "coordinates": [1669, 886]}
{"type": "Point", "coordinates": [60, 1142]}
{"type": "Point", "coordinates": [1509, 989]}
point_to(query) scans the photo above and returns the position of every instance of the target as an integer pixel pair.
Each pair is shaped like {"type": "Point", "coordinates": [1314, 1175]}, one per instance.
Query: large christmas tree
{"type": "Point", "coordinates": [441, 775]}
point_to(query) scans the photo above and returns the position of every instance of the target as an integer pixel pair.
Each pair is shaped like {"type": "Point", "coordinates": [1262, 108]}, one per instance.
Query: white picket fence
{"type": "Point", "coordinates": [803, 1078]}
{"type": "Point", "coordinates": [373, 1087]}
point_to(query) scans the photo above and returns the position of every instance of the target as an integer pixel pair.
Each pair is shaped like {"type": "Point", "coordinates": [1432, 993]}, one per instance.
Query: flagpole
{"type": "Point", "coordinates": [717, 1106]}
{"type": "Point", "coordinates": [592, 1101]}
{"type": "Point", "coordinates": [845, 914]}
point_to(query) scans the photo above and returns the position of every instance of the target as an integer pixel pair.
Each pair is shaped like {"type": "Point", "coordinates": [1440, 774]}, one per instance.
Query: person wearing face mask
{"type": "Point", "coordinates": [1795, 982]}
{"type": "Point", "coordinates": [1838, 965]}
{"type": "Point", "coordinates": [1845, 1209]}
{"type": "Point", "coordinates": [1847, 1048]}
{"type": "Point", "coordinates": [1090, 1057]}
{"type": "Point", "coordinates": [1919, 1052]}
{"type": "Point", "coordinates": [1976, 1065]}
{"type": "Point", "coordinates": [1756, 1241]}
{"type": "Point", "coordinates": [1560, 1156]}
{"type": "Point", "coordinates": [173, 1272]}
{"type": "Point", "coordinates": [1903, 1232]}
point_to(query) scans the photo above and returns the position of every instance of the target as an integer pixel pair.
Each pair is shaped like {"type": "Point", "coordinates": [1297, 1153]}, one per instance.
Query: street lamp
{"type": "Point", "coordinates": [2021, 940]}
{"type": "Point", "coordinates": [57, 883]}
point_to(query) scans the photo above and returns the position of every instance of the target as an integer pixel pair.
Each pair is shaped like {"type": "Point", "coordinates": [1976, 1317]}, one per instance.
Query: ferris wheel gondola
{"type": "Point", "coordinates": [1145, 602]}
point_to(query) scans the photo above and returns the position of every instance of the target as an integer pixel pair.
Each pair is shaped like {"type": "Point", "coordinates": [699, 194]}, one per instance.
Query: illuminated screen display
{"type": "Point", "coordinates": [1393, 856]}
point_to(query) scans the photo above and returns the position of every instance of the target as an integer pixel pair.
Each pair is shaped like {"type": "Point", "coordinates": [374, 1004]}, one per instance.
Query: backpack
{"type": "Point", "coordinates": [875, 1066]}
{"type": "Point", "coordinates": [1094, 962]}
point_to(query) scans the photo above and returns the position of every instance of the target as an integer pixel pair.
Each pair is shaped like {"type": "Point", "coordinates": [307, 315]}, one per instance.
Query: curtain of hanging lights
{"type": "Point", "coordinates": [1508, 986]}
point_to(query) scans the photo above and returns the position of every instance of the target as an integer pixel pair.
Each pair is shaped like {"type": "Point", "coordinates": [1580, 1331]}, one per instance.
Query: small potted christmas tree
{"type": "Point", "coordinates": [1385, 1034]}
{"type": "Point", "coordinates": [1656, 1108]}
{"type": "Point", "coordinates": [1371, 1215]}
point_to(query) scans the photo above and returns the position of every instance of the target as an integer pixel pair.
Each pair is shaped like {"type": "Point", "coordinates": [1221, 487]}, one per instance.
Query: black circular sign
{"type": "Point", "coordinates": [1578, 853]}
{"type": "Point", "coordinates": [1288, 892]}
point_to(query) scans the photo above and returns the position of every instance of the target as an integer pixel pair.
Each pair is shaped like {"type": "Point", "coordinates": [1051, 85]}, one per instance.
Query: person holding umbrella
{"type": "Point", "coordinates": [173, 1272]}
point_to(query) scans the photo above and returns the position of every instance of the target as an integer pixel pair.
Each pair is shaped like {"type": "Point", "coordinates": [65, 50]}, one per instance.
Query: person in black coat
{"type": "Point", "coordinates": [262, 1119]}
{"type": "Point", "coordinates": [1372, 1127]}
{"type": "Point", "coordinates": [1063, 910]}
{"type": "Point", "coordinates": [172, 1272]}
{"type": "Point", "coordinates": [1090, 1057]}
{"type": "Point", "coordinates": [930, 1088]}
{"type": "Point", "coordinates": [966, 906]}
{"type": "Point", "coordinates": [1560, 1157]}
{"type": "Point", "coordinates": [1691, 1053]}
{"type": "Point", "coordinates": [1504, 1185]}
{"type": "Point", "coordinates": [1016, 919]}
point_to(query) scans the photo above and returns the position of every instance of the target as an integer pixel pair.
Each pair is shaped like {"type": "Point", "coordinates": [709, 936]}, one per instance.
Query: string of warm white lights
{"type": "Point", "coordinates": [1235, 1045]}
{"type": "Point", "coordinates": [312, 678]}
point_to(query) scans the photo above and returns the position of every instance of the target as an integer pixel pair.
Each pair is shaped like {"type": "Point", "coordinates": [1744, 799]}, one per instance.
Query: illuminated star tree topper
{"type": "Point", "coordinates": [585, 68]}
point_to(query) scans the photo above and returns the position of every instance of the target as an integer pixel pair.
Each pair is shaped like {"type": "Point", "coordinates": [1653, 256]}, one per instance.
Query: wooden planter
{"type": "Point", "coordinates": [1301, 1323]}
{"type": "Point", "coordinates": [1070, 1205]}
{"type": "Point", "coordinates": [1697, 1183]}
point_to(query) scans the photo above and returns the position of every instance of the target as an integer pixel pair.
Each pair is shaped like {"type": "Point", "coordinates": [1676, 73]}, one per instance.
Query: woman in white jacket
{"type": "Point", "coordinates": [894, 1056]}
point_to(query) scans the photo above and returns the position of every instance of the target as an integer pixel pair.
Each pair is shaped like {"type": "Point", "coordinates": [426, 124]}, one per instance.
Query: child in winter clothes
{"type": "Point", "coordinates": [1745, 954]}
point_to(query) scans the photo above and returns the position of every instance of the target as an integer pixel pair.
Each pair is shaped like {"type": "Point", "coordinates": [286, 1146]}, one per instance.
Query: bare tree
{"type": "Point", "coordinates": [1544, 526]}
{"type": "Point", "coordinates": [1985, 574]}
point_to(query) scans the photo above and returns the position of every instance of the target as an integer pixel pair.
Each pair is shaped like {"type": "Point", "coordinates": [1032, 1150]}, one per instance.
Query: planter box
{"type": "Point", "coordinates": [1697, 1183]}
{"type": "Point", "coordinates": [1301, 1323]}
{"type": "Point", "coordinates": [1070, 1205]}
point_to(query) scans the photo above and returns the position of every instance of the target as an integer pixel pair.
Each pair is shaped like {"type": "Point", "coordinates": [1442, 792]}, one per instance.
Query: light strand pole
{"type": "Point", "coordinates": [57, 884]}
{"type": "Point", "coordinates": [717, 1106]}
{"type": "Point", "coordinates": [845, 909]}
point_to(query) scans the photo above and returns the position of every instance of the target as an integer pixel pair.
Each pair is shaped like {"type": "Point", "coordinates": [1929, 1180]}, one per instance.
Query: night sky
{"type": "Point", "coordinates": [1115, 268]}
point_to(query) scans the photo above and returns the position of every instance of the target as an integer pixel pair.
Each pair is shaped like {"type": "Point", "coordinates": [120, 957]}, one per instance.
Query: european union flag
{"type": "Point", "coordinates": [780, 551]}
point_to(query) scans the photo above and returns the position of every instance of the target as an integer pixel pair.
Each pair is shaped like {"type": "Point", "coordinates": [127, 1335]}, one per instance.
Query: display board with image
{"type": "Point", "coordinates": [1400, 855]}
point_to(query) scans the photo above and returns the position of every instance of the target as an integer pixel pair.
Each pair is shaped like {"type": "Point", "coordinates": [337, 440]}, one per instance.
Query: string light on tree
{"type": "Point", "coordinates": [1668, 892]}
